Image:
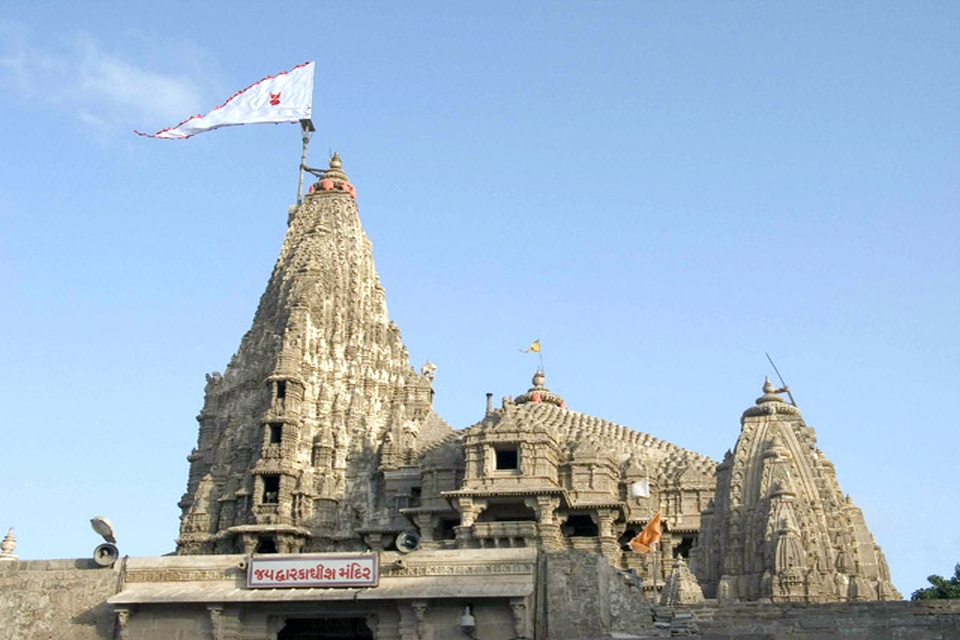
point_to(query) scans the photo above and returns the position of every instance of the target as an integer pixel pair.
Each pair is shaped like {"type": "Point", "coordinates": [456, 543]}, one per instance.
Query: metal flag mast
{"type": "Point", "coordinates": [306, 126]}
{"type": "Point", "coordinates": [784, 387]}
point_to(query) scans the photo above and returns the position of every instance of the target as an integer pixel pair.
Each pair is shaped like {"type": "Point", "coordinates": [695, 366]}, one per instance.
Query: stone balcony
{"type": "Point", "coordinates": [506, 534]}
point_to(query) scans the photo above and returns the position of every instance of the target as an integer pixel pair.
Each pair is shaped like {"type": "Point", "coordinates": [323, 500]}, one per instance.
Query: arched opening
{"type": "Point", "coordinates": [325, 629]}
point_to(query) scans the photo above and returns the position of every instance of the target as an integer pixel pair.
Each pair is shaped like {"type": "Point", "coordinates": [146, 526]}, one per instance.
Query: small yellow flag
{"type": "Point", "coordinates": [534, 347]}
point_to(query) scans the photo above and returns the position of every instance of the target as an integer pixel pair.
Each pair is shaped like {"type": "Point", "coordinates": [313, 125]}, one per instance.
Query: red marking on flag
{"type": "Point", "coordinates": [274, 99]}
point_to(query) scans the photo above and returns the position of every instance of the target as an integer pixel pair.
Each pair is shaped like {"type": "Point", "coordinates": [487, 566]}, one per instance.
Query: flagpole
{"type": "Point", "coordinates": [307, 127]}
{"type": "Point", "coordinates": [656, 552]}
{"type": "Point", "coordinates": [782, 383]}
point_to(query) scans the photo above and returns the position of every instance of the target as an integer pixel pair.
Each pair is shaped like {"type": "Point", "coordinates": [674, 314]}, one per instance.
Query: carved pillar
{"type": "Point", "coordinates": [216, 622]}
{"type": "Point", "coordinates": [546, 507]}
{"type": "Point", "coordinates": [425, 524]}
{"type": "Point", "coordinates": [385, 625]}
{"type": "Point", "coordinates": [469, 510]}
{"type": "Point", "coordinates": [465, 539]}
{"type": "Point", "coordinates": [408, 627]}
{"type": "Point", "coordinates": [275, 624]}
{"type": "Point", "coordinates": [608, 537]}
{"type": "Point", "coordinates": [519, 608]}
{"type": "Point", "coordinates": [123, 616]}
{"type": "Point", "coordinates": [230, 626]}
{"type": "Point", "coordinates": [420, 611]}
{"type": "Point", "coordinates": [249, 544]}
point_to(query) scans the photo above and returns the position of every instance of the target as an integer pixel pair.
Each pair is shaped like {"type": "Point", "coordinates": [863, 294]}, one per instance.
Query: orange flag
{"type": "Point", "coordinates": [642, 542]}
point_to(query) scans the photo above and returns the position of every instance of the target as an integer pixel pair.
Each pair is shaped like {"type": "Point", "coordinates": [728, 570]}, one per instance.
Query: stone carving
{"type": "Point", "coordinates": [428, 369]}
{"type": "Point", "coordinates": [179, 575]}
{"type": "Point", "coordinates": [681, 587]}
{"type": "Point", "coordinates": [317, 383]}
{"type": "Point", "coordinates": [780, 528]}
{"type": "Point", "coordinates": [7, 546]}
{"type": "Point", "coordinates": [320, 436]}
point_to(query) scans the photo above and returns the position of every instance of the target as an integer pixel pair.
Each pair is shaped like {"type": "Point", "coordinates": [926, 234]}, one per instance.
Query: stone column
{"type": "Point", "coordinates": [420, 612]}
{"type": "Point", "coordinates": [385, 625]}
{"type": "Point", "coordinates": [546, 507]}
{"type": "Point", "coordinates": [608, 537]}
{"type": "Point", "coordinates": [408, 627]}
{"type": "Point", "coordinates": [519, 608]}
{"type": "Point", "coordinates": [425, 524]}
{"type": "Point", "coordinates": [216, 622]}
{"type": "Point", "coordinates": [123, 616]}
{"type": "Point", "coordinates": [469, 510]}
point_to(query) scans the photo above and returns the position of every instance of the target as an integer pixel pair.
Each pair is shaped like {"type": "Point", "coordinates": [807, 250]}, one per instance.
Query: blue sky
{"type": "Point", "coordinates": [661, 192]}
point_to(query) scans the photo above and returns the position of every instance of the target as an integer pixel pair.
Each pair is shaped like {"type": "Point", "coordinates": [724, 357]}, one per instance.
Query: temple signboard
{"type": "Point", "coordinates": [319, 571]}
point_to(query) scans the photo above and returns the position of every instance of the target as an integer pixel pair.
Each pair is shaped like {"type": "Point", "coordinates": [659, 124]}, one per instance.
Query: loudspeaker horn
{"type": "Point", "coordinates": [106, 554]}
{"type": "Point", "coordinates": [408, 541]}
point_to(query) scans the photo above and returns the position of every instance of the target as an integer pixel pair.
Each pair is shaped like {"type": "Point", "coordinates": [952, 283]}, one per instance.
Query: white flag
{"type": "Point", "coordinates": [285, 97]}
{"type": "Point", "coordinates": [640, 488]}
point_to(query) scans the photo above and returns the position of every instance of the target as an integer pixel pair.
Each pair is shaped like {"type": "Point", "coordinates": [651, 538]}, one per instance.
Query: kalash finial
{"type": "Point", "coordinates": [334, 179]}
{"type": "Point", "coordinates": [538, 378]}
{"type": "Point", "coordinates": [335, 172]}
{"type": "Point", "coordinates": [7, 546]}
{"type": "Point", "coordinates": [769, 393]}
{"type": "Point", "coordinates": [539, 393]}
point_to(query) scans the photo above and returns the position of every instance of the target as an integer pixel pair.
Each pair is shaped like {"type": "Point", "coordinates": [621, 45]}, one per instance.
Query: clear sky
{"type": "Point", "coordinates": [661, 192]}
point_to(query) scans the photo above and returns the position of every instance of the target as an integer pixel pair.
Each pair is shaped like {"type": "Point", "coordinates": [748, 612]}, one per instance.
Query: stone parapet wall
{"type": "Point", "coordinates": [902, 620]}
{"type": "Point", "coordinates": [56, 599]}
{"type": "Point", "coordinates": [581, 597]}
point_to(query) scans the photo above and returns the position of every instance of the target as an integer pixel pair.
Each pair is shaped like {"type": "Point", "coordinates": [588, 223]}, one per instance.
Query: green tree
{"type": "Point", "coordinates": [942, 588]}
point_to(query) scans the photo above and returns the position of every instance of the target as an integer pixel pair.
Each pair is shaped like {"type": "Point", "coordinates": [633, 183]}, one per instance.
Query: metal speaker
{"type": "Point", "coordinates": [106, 554]}
{"type": "Point", "coordinates": [408, 541]}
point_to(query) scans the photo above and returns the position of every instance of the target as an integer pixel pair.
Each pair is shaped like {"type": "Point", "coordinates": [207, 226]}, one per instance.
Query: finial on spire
{"type": "Point", "coordinates": [768, 386]}
{"type": "Point", "coordinates": [333, 178]}
{"type": "Point", "coordinates": [769, 392]}
{"type": "Point", "coordinates": [539, 393]}
{"type": "Point", "coordinates": [7, 545]}
{"type": "Point", "coordinates": [538, 378]}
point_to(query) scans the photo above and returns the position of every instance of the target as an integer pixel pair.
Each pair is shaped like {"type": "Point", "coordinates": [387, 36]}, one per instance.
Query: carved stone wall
{"type": "Point", "coordinates": [780, 528]}
{"type": "Point", "coordinates": [291, 434]}
{"type": "Point", "coordinates": [46, 599]}
{"type": "Point", "coordinates": [319, 436]}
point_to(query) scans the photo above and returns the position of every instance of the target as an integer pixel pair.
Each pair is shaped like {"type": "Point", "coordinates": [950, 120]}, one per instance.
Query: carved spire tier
{"type": "Point", "coordinates": [780, 528]}
{"type": "Point", "coordinates": [290, 433]}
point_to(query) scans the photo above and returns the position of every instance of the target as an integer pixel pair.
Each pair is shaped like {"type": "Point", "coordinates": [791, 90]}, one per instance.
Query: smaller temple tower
{"type": "Point", "coordinates": [779, 527]}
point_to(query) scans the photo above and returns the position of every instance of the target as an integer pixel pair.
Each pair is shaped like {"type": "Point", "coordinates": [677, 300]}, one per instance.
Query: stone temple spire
{"type": "Point", "coordinates": [780, 528]}
{"type": "Point", "coordinates": [290, 433]}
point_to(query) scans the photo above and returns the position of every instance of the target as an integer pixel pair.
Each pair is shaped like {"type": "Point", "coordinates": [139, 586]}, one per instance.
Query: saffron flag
{"type": "Point", "coordinates": [650, 535]}
{"type": "Point", "coordinates": [534, 347]}
{"type": "Point", "coordinates": [285, 97]}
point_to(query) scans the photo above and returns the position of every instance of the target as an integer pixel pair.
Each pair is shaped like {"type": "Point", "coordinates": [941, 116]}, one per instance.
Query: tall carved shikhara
{"type": "Point", "coordinates": [319, 436]}
{"type": "Point", "coordinates": [291, 434]}
{"type": "Point", "coordinates": [780, 528]}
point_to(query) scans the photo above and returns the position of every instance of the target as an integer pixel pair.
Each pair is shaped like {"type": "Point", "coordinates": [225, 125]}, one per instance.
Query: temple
{"type": "Point", "coordinates": [321, 437]}
{"type": "Point", "coordinates": [326, 498]}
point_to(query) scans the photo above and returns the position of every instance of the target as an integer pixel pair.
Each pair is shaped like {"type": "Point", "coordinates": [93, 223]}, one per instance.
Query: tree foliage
{"type": "Point", "coordinates": [942, 588]}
